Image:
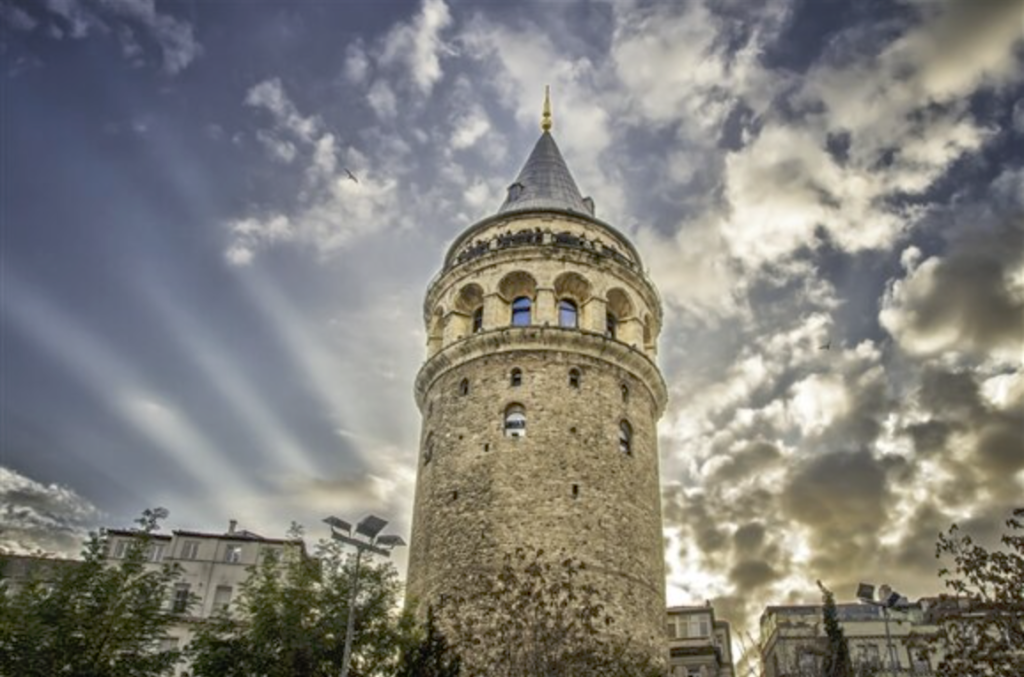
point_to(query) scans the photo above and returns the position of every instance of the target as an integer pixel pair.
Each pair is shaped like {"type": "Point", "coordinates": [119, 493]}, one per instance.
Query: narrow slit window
{"type": "Point", "coordinates": [575, 491]}
{"type": "Point", "coordinates": [568, 314]}
{"type": "Point", "coordinates": [574, 378]}
{"type": "Point", "coordinates": [626, 438]}
{"type": "Point", "coordinates": [478, 320]}
{"type": "Point", "coordinates": [625, 392]}
{"type": "Point", "coordinates": [428, 449]}
{"type": "Point", "coordinates": [521, 311]}
{"type": "Point", "coordinates": [516, 378]}
{"type": "Point", "coordinates": [464, 387]}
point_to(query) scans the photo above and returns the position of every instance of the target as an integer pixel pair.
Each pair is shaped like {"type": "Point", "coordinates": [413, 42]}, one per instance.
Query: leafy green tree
{"type": "Point", "coordinates": [290, 615]}
{"type": "Point", "coordinates": [836, 661]}
{"type": "Point", "coordinates": [535, 617]}
{"type": "Point", "coordinates": [981, 628]}
{"type": "Point", "coordinates": [95, 619]}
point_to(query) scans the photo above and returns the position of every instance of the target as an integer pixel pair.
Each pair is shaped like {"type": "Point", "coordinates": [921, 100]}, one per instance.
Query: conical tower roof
{"type": "Point", "coordinates": [545, 182]}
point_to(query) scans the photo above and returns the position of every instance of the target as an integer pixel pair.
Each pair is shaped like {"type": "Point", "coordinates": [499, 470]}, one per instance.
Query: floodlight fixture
{"type": "Point", "coordinates": [865, 591]}
{"type": "Point", "coordinates": [339, 524]}
{"type": "Point", "coordinates": [370, 526]}
{"type": "Point", "coordinates": [390, 540]}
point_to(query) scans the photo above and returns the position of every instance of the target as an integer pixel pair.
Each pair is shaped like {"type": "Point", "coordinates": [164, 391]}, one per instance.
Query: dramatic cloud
{"type": "Point", "coordinates": [47, 517]}
{"type": "Point", "coordinates": [971, 299]}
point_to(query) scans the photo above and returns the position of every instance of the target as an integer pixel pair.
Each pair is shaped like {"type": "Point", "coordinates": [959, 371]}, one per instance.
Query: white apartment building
{"type": "Point", "coordinates": [793, 639]}
{"type": "Point", "coordinates": [214, 566]}
{"type": "Point", "coordinates": [699, 645]}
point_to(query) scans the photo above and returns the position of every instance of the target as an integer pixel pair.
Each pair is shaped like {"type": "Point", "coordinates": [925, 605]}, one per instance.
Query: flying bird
{"type": "Point", "coordinates": [827, 345]}
{"type": "Point", "coordinates": [351, 175]}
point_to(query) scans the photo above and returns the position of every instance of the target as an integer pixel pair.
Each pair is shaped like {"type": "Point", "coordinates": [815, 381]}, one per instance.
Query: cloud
{"type": "Point", "coordinates": [382, 100]}
{"type": "Point", "coordinates": [122, 18]}
{"type": "Point", "coordinates": [418, 45]}
{"type": "Point", "coordinates": [962, 302]}
{"type": "Point", "coordinates": [17, 18]}
{"type": "Point", "coordinates": [270, 96]}
{"type": "Point", "coordinates": [357, 63]}
{"type": "Point", "coordinates": [971, 299]}
{"type": "Point", "coordinates": [42, 517]}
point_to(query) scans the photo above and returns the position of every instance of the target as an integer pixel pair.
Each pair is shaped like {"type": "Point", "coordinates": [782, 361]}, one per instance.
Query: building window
{"type": "Point", "coordinates": [464, 387]}
{"type": "Point", "coordinates": [120, 549]}
{"type": "Point", "coordinates": [514, 191]}
{"type": "Point", "coordinates": [574, 378]}
{"type": "Point", "coordinates": [155, 552]}
{"type": "Point", "coordinates": [221, 598]}
{"type": "Point", "coordinates": [870, 654]}
{"type": "Point", "coordinates": [516, 378]}
{"type": "Point", "coordinates": [625, 438]}
{"type": "Point", "coordinates": [611, 325]}
{"type": "Point", "coordinates": [428, 449]}
{"type": "Point", "coordinates": [167, 644]}
{"type": "Point", "coordinates": [233, 554]}
{"type": "Point", "coordinates": [190, 550]}
{"type": "Point", "coordinates": [625, 392]}
{"type": "Point", "coordinates": [179, 603]}
{"type": "Point", "coordinates": [515, 421]}
{"type": "Point", "coordinates": [478, 320]}
{"type": "Point", "coordinates": [568, 316]}
{"type": "Point", "coordinates": [521, 311]}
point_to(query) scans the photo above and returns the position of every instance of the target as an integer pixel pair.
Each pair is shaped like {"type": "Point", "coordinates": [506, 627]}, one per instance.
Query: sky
{"type": "Point", "coordinates": [201, 310]}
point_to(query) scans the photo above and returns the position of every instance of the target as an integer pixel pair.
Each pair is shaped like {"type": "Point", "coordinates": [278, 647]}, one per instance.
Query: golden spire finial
{"type": "Point", "coordinates": [545, 121]}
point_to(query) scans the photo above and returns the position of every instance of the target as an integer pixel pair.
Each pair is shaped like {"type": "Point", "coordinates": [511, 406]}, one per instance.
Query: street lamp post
{"type": "Point", "coordinates": [369, 528]}
{"type": "Point", "coordinates": [887, 599]}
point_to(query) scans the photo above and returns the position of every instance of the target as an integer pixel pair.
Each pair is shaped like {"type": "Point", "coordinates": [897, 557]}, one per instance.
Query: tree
{"type": "Point", "coordinates": [981, 628]}
{"type": "Point", "coordinates": [836, 662]}
{"type": "Point", "coordinates": [535, 617]}
{"type": "Point", "coordinates": [93, 619]}
{"type": "Point", "coordinates": [431, 656]}
{"type": "Point", "coordinates": [290, 616]}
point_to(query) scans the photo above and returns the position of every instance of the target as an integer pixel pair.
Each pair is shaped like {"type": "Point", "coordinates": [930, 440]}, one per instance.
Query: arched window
{"type": "Point", "coordinates": [574, 378]}
{"type": "Point", "coordinates": [625, 392]}
{"type": "Point", "coordinates": [611, 324]}
{"type": "Point", "coordinates": [515, 421]}
{"type": "Point", "coordinates": [568, 315]}
{"type": "Point", "coordinates": [464, 387]}
{"type": "Point", "coordinates": [478, 319]}
{"type": "Point", "coordinates": [515, 378]}
{"type": "Point", "coordinates": [521, 311]}
{"type": "Point", "coordinates": [626, 438]}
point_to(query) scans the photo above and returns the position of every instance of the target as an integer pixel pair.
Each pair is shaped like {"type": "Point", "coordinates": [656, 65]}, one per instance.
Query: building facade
{"type": "Point", "coordinates": [793, 639]}
{"type": "Point", "coordinates": [698, 644]}
{"type": "Point", "coordinates": [214, 566]}
{"type": "Point", "coordinates": [539, 398]}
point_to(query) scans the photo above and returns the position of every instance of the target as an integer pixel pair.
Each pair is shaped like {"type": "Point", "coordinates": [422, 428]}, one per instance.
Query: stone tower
{"type": "Point", "coordinates": [540, 397]}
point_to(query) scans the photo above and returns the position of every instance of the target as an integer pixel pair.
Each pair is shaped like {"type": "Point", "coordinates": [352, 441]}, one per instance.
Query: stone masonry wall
{"type": "Point", "coordinates": [565, 487]}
